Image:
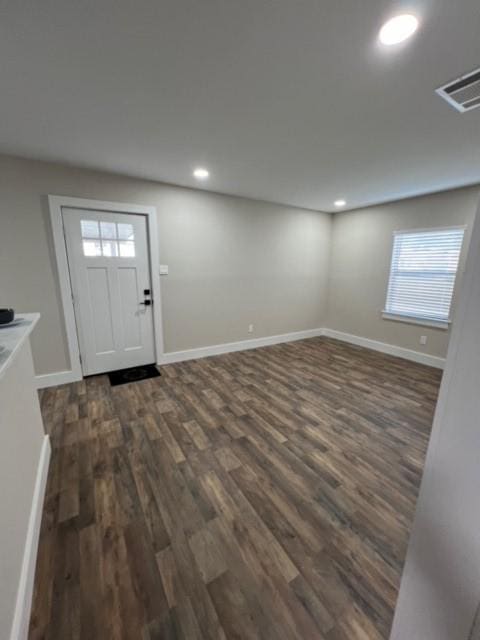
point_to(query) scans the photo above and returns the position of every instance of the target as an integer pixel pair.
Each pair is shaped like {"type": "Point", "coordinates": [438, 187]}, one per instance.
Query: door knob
{"type": "Point", "coordinates": [146, 303]}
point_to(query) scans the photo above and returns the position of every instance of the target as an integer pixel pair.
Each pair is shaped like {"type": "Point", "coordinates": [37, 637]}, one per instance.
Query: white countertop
{"type": "Point", "coordinates": [13, 336]}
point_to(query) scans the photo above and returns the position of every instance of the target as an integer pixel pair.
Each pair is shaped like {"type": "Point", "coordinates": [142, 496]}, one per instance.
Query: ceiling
{"type": "Point", "coordinates": [292, 102]}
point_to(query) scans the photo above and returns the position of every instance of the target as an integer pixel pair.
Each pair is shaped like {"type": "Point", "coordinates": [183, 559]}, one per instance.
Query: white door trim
{"type": "Point", "coordinates": [56, 203]}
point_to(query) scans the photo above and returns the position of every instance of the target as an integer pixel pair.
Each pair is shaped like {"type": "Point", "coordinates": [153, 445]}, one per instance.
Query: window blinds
{"type": "Point", "coordinates": [422, 273]}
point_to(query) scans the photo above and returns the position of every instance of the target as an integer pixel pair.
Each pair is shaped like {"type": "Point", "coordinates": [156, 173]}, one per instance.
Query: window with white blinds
{"type": "Point", "coordinates": [422, 274]}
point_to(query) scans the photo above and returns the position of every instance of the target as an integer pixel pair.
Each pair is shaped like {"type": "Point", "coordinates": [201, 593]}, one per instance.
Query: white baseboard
{"type": "Point", "coordinates": [241, 345]}
{"type": "Point", "coordinates": [391, 349]}
{"type": "Point", "coordinates": [64, 377]}
{"type": "Point", "coordinates": [21, 618]}
{"type": "Point", "coordinates": [54, 379]}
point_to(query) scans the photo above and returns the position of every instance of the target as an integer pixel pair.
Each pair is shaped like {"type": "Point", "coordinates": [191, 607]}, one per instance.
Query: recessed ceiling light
{"type": "Point", "coordinates": [398, 29]}
{"type": "Point", "coordinates": [340, 203]}
{"type": "Point", "coordinates": [201, 174]}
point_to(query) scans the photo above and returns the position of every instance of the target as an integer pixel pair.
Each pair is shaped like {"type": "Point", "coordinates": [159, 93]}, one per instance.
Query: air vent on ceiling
{"type": "Point", "coordinates": [463, 93]}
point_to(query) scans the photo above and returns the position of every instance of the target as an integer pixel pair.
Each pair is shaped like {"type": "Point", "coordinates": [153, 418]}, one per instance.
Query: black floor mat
{"type": "Point", "coordinates": [135, 374]}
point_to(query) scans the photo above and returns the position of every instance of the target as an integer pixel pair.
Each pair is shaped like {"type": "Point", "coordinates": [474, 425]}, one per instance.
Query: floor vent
{"type": "Point", "coordinates": [463, 93]}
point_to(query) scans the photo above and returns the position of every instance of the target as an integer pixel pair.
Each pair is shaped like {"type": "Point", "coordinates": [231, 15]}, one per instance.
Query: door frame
{"type": "Point", "coordinates": [56, 203]}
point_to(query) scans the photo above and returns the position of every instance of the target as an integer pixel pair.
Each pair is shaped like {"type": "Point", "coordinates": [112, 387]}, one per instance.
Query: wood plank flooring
{"type": "Point", "coordinates": [266, 494]}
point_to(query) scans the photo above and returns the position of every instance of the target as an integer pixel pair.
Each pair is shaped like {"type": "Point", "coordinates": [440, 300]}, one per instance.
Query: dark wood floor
{"type": "Point", "coordinates": [263, 494]}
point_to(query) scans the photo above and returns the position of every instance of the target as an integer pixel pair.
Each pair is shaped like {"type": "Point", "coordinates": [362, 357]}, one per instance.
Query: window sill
{"type": "Point", "coordinates": [436, 324]}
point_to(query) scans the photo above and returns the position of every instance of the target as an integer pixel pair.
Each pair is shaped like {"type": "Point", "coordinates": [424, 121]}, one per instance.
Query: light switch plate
{"type": "Point", "coordinates": [164, 269]}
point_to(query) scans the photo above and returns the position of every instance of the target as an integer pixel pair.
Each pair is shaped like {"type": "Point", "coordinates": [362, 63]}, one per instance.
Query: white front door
{"type": "Point", "coordinates": [110, 275]}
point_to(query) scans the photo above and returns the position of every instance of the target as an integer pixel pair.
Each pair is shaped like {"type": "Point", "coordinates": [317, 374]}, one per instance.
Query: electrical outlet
{"type": "Point", "coordinates": [423, 339]}
{"type": "Point", "coordinates": [250, 328]}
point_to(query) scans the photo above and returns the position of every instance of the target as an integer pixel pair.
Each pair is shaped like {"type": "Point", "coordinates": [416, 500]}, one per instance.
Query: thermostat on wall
{"type": "Point", "coordinates": [164, 269]}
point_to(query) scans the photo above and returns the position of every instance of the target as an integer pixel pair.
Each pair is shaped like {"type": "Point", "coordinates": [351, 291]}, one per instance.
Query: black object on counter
{"type": "Point", "coordinates": [6, 316]}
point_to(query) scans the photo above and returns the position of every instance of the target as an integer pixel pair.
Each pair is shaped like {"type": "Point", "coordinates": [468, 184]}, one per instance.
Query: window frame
{"type": "Point", "coordinates": [412, 318]}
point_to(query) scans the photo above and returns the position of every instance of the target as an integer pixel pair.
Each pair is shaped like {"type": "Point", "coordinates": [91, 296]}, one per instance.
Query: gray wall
{"type": "Point", "coordinates": [232, 261]}
{"type": "Point", "coordinates": [440, 589]}
{"type": "Point", "coordinates": [360, 264]}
